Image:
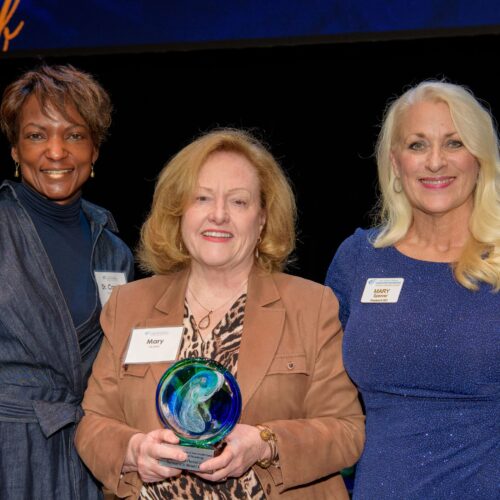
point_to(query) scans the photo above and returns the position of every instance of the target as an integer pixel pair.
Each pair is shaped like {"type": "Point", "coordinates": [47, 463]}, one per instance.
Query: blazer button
{"type": "Point", "coordinates": [290, 365]}
{"type": "Point", "coordinates": [268, 489]}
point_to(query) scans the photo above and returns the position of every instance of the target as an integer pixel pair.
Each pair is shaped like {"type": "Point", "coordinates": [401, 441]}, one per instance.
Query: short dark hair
{"type": "Point", "coordinates": [57, 86]}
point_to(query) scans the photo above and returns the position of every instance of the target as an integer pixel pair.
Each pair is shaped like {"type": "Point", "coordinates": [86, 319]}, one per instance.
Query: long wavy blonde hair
{"type": "Point", "coordinates": [480, 259]}
{"type": "Point", "coordinates": [161, 249]}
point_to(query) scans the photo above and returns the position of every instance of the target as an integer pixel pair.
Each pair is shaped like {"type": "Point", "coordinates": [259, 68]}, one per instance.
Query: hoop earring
{"type": "Point", "coordinates": [396, 185]}
{"type": "Point", "coordinates": [16, 171]}
{"type": "Point", "coordinates": [92, 174]}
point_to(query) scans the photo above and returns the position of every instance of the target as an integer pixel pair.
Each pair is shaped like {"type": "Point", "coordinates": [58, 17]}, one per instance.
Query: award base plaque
{"type": "Point", "coordinates": [200, 401]}
{"type": "Point", "coordinates": [195, 457]}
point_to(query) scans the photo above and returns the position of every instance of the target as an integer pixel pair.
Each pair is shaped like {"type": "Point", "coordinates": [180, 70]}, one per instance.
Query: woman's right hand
{"type": "Point", "coordinates": [144, 451]}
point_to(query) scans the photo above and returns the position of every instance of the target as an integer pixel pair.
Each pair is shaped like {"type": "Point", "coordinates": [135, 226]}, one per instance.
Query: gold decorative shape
{"type": "Point", "coordinates": [6, 12]}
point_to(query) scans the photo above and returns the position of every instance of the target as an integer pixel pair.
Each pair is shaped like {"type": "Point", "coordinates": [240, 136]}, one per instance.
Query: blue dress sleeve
{"type": "Point", "coordinates": [341, 273]}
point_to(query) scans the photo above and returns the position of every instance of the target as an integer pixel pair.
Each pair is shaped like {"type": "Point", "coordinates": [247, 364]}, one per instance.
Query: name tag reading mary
{"type": "Point", "coordinates": [153, 345]}
{"type": "Point", "coordinates": [200, 401]}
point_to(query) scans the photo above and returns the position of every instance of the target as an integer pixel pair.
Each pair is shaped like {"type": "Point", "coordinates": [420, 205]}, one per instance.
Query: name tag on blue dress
{"type": "Point", "coordinates": [382, 290]}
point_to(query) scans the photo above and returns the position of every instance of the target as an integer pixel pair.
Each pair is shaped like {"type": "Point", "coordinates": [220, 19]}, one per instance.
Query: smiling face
{"type": "Point", "coordinates": [223, 221]}
{"type": "Point", "coordinates": [55, 153]}
{"type": "Point", "coordinates": [437, 172]}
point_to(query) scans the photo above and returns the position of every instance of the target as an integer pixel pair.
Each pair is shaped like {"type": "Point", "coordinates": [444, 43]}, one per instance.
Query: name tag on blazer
{"type": "Point", "coordinates": [153, 345]}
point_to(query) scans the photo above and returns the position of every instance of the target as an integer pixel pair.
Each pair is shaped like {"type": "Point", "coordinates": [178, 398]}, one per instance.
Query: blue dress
{"type": "Point", "coordinates": [428, 369]}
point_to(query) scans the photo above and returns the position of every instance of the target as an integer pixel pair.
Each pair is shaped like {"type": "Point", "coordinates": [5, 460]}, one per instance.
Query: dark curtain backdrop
{"type": "Point", "coordinates": [317, 106]}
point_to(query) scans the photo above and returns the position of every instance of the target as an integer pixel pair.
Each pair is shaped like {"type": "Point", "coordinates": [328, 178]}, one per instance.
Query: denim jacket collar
{"type": "Point", "coordinates": [94, 213]}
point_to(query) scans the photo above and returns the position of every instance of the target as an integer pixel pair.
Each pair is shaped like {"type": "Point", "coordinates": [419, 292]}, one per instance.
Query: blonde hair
{"type": "Point", "coordinates": [161, 249]}
{"type": "Point", "coordinates": [480, 259]}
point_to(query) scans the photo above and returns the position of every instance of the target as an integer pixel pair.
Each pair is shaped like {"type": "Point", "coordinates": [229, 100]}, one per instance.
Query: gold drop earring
{"type": "Point", "coordinates": [16, 171]}
{"type": "Point", "coordinates": [256, 252]}
{"type": "Point", "coordinates": [92, 174]}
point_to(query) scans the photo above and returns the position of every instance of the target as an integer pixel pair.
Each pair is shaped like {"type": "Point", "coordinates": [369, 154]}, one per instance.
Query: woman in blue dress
{"type": "Point", "coordinates": [420, 303]}
{"type": "Point", "coordinates": [59, 254]}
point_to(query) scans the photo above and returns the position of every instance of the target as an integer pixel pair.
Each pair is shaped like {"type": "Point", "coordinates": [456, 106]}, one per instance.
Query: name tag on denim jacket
{"type": "Point", "coordinates": [382, 290]}
{"type": "Point", "coordinates": [106, 281]}
{"type": "Point", "coordinates": [153, 345]}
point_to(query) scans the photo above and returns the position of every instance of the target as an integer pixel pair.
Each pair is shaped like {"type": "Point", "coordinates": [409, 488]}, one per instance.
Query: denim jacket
{"type": "Point", "coordinates": [43, 367]}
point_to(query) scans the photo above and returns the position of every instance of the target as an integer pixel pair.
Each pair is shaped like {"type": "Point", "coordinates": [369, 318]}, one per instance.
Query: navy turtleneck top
{"type": "Point", "coordinates": [66, 237]}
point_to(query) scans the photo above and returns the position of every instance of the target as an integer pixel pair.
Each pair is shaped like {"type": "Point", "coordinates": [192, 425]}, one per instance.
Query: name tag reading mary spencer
{"type": "Point", "coordinates": [382, 290]}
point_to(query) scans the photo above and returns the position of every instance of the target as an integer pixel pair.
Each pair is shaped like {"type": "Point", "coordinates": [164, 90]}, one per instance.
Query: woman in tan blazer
{"type": "Point", "coordinates": [219, 232]}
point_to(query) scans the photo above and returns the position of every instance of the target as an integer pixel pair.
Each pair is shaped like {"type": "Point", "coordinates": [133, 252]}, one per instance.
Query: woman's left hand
{"type": "Point", "coordinates": [243, 448]}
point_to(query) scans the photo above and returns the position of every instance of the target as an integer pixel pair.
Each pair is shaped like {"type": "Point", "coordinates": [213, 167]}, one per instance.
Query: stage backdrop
{"type": "Point", "coordinates": [44, 26]}
{"type": "Point", "coordinates": [317, 105]}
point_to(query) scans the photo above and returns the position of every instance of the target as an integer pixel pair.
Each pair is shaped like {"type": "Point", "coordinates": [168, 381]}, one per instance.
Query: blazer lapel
{"type": "Point", "coordinates": [169, 311]}
{"type": "Point", "coordinates": [262, 328]}
{"type": "Point", "coordinates": [262, 331]}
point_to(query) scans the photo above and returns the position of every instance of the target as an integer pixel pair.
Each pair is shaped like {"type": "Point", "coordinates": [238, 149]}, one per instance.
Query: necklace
{"type": "Point", "coordinates": [204, 322]}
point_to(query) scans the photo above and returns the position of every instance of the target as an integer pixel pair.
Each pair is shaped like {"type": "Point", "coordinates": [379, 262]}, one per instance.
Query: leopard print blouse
{"type": "Point", "coordinates": [223, 346]}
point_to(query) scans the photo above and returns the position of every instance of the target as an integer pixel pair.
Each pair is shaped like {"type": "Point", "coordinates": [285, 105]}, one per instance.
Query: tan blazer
{"type": "Point", "coordinates": [290, 373]}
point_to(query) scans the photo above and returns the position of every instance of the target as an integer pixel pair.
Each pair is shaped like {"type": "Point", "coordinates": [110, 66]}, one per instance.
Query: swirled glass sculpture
{"type": "Point", "coordinates": [199, 400]}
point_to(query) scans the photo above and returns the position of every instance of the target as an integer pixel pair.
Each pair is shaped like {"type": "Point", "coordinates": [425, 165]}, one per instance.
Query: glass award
{"type": "Point", "coordinates": [200, 401]}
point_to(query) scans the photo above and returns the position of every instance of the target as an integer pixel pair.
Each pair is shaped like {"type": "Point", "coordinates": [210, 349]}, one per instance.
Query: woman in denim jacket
{"type": "Point", "coordinates": [60, 258]}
